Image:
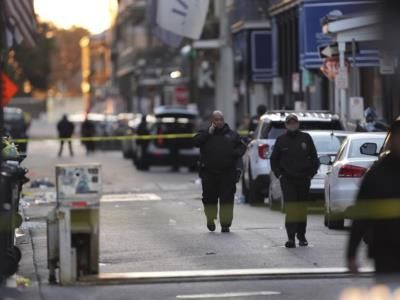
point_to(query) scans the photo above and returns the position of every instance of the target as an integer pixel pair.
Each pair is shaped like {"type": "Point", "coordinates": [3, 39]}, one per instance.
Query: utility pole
{"type": "Point", "coordinates": [225, 78]}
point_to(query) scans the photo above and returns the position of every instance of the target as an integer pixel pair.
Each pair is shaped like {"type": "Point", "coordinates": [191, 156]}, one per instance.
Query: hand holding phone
{"type": "Point", "coordinates": [212, 128]}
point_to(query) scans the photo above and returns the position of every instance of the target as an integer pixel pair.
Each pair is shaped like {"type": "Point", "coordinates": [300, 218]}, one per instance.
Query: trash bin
{"type": "Point", "coordinates": [12, 178]}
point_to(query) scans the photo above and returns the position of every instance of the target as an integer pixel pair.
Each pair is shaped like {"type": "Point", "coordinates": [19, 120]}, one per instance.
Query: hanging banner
{"type": "Point", "coordinates": [183, 17]}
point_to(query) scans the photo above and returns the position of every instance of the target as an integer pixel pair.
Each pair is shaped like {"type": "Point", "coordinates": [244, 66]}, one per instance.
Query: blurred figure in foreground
{"type": "Point", "coordinates": [220, 150]}
{"type": "Point", "coordinates": [65, 131]}
{"type": "Point", "coordinates": [377, 213]}
{"type": "Point", "coordinates": [88, 130]}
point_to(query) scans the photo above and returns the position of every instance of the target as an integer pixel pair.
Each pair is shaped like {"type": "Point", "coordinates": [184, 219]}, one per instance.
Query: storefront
{"type": "Point", "coordinates": [252, 43]}
{"type": "Point", "coordinates": [297, 35]}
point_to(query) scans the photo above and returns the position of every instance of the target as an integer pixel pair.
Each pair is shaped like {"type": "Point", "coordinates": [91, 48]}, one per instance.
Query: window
{"type": "Point", "coordinates": [356, 144]}
{"type": "Point", "coordinates": [328, 144]}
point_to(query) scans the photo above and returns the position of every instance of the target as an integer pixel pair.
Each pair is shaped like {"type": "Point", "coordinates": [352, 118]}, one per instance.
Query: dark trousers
{"type": "Point", "coordinates": [295, 195]}
{"type": "Point", "coordinates": [219, 187]}
{"type": "Point", "coordinates": [71, 152]}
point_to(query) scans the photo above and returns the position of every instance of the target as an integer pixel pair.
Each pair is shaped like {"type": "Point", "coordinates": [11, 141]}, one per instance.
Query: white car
{"type": "Point", "coordinates": [256, 164]}
{"type": "Point", "coordinates": [327, 143]}
{"type": "Point", "coordinates": [344, 178]}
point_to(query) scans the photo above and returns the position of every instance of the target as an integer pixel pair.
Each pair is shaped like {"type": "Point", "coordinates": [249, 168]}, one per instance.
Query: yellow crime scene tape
{"type": "Point", "coordinates": [113, 138]}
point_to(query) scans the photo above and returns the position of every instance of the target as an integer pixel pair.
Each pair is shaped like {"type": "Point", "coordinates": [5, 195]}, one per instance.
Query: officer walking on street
{"type": "Point", "coordinates": [65, 131]}
{"type": "Point", "coordinates": [221, 148]}
{"type": "Point", "coordinates": [294, 161]}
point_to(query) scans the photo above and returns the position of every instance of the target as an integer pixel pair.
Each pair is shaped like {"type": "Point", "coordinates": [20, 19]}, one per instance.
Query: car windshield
{"type": "Point", "coordinates": [278, 128]}
{"type": "Point", "coordinates": [328, 143]}
{"type": "Point", "coordinates": [12, 116]}
{"type": "Point", "coordinates": [355, 146]}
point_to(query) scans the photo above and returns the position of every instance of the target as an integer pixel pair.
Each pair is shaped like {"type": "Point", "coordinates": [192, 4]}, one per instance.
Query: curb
{"type": "Point", "coordinates": [219, 275]}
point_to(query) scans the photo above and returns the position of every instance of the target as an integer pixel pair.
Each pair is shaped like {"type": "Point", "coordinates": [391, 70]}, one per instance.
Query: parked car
{"type": "Point", "coordinates": [346, 171]}
{"type": "Point", "coordinates": [170, 120]}
{"type": "Point", "coordinates": [16, 126]}
{"type": "Point", "coordinates": [326, 143]}
{"type": "Point", "coordinates": [257, 168]}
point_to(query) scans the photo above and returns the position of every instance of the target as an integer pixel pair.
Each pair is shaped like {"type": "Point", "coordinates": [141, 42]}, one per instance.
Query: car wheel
{"type": "Point", "coordinates": [255, 196]}
{"type": "Point", "coordinates": [126, 154]}
{"type": "Point", "coordinates": [334, 221]}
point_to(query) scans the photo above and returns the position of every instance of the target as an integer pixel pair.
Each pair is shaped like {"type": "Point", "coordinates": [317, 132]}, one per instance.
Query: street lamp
{"type": "Point", "coordinates": [175, 74]}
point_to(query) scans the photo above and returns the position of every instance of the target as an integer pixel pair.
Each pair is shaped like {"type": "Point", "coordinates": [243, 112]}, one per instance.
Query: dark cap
{"type": "Point", "coordinates": [291, 117]}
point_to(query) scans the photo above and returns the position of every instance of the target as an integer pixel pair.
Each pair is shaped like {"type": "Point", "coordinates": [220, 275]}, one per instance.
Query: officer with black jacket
{"type": "Point", "coordinates": [220, 148]}
{"type": "Point", "coordinates": [377, 212]}
{"type": "Point", "coordinates": [294, 161]}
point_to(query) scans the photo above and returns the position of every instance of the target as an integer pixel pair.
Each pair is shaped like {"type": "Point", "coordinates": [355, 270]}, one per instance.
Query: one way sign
{"type": "Point", "coordinates": [328, 51]}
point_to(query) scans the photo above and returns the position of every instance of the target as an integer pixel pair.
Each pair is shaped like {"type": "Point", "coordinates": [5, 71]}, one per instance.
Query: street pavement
{"type": "Point", "coordinates": [153, 221]}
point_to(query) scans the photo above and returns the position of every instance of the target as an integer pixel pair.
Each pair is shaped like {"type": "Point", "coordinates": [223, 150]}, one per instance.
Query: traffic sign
{"type": "Point", "coordinates": [332, 50]}
{"type": "Point", "coordinates": [181, 95]}
{"type": "Point", "coordinates": [342, 78]}
{"type": "Point", "coordinates": [9, 89]}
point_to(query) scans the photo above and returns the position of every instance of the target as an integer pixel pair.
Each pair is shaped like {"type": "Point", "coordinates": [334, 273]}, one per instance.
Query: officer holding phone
{"type": "Point", "coordinates": [221, 148]}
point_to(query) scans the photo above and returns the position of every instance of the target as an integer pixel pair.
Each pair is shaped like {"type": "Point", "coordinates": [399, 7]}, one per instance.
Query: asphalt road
{"type": "Point", "coordinates": [153, 221]}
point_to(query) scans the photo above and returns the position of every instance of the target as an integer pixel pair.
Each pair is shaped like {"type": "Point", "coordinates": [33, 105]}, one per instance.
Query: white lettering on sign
{"type": "Point", "coordinates": [183, 17]}
{"type": "Point", "coordinates": [205, 78]}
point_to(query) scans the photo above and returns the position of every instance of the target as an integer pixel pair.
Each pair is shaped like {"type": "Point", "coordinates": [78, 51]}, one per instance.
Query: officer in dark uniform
{"type": "Point", "coordinates": [65, 131]}
{"type": "Point", "coordinates": [377, 212]}
{"type": "Point", "coordinates": [294, 161]}
{"type": "Point", "coordinates": [220, 149]}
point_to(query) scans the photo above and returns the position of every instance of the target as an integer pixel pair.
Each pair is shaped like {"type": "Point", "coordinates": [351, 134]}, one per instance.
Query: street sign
{"type": "Point", "coordinates": [387, 64]}
{"type": "Point", "coordinates": [277, 86]}
{"type": "Point", "coordinates": [296, 82]}
{"type": "Point", "coordinates": [182, 95]}
{"type": "Point", "coordinates": [332, 50]}
{"type": "Point", "coordinates": [342, 78]}
{"type": "Point", "coordinates": [330, 68]}
{"type": "Point", "coordinates": [9, 89]}
{"type": "Point", "coordinates": [356, 108]}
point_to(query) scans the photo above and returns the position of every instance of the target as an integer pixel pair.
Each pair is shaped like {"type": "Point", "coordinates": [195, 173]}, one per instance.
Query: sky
{"type": "Point", "coordinates": [93, 15]}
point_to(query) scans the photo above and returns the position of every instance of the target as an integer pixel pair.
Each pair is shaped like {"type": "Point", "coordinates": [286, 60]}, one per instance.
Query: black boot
{"type": "Point", "coordinates": [290, 244]}
{"type": "Point", "coordinates": [211, 225]}
{"type": "Point", "coordinates": [302, 240]}
{"type": "Point", "coordinates": [225, 229]}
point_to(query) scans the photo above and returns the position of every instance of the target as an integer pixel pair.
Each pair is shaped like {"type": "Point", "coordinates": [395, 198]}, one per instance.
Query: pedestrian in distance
{"type": "Point", "coordinates": [142, 143]}
{"type": "Point", "coordinates": [261, 110]}
{"type": "Point", "coordinates": [376, 214]}
{"type": "Point", "coordinates": [220, 150]}
{"type": "Point", "coordinates": [88, 130]}
{"type": "Point", "coordinates": [294, 161]}
{"type": "Point", "coordinates": [65, 130]}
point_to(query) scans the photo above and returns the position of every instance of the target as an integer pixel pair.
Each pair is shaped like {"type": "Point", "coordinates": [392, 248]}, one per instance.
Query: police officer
{"type": "Point", "coordinates": [221, 148]}
{"type": "Point", "coordinates": [377, 212]}
{"type": "Point", "coordinates": [294, 161]}
{"type": "Point", "coordinates": [65, 131]}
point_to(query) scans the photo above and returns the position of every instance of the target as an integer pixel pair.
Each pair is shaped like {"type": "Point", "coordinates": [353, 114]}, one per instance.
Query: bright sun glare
{"type": "Point", "coordinates": [94, 15]}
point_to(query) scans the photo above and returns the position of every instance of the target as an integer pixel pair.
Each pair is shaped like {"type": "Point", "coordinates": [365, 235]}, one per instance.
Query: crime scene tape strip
{"type": "Point", "coordinates": [114, 138]}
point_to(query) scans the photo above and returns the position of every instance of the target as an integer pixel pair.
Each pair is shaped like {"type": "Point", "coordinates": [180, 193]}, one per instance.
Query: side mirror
{"type": "Point", "coordinates": [369, 149]}
{"type": "Point", "coordinates": [325, 160]}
